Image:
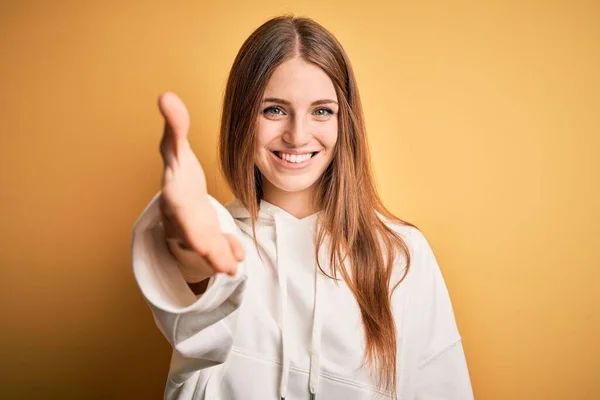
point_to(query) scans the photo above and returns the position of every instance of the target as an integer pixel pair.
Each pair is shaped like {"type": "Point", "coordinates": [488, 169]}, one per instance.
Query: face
{"type": "Point", "coordinates": [297, 127]}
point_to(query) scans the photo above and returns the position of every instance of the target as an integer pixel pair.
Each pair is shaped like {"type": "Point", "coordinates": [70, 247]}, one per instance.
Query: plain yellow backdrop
{"type": "Point", "coordinates": [484, 125]}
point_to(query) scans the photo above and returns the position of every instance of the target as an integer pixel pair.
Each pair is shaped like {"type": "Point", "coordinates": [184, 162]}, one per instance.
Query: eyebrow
{"type": "Point", "coordinates": [282, 101]}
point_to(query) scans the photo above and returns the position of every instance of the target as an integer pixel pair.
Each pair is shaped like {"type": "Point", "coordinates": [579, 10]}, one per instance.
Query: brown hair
{"type": "Point", "coordinates": [357, 234]}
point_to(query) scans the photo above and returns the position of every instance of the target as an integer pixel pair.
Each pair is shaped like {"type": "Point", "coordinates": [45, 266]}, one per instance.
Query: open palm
{"type": "Point", "coordinates": [186, 209]}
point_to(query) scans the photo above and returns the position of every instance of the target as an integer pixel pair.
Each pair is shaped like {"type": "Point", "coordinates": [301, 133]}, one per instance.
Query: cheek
{"type": "Point", "coordinates": [266, 132]}
{"type": "Point", "coordinates": [330, 135]}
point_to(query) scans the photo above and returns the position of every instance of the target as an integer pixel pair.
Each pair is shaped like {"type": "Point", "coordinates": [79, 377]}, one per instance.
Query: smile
{"type": "Point", "coordinates": [294, 160]}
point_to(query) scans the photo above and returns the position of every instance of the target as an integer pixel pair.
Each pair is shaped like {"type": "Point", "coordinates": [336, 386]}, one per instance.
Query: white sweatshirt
{"type": "Point", "coordinates": [281, 329]}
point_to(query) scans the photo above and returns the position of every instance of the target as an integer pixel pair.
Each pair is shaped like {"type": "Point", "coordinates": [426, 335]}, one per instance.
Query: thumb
{"type": "Point", "coordinates": [177, 120]}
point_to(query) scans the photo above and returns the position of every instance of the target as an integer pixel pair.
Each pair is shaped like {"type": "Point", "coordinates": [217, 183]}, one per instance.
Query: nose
{"type": "Point", "coordinates": [297, 133]}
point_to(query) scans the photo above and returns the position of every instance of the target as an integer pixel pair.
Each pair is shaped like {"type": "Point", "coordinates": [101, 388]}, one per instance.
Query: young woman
{"type": "Point", "coordinates": [304, 286]}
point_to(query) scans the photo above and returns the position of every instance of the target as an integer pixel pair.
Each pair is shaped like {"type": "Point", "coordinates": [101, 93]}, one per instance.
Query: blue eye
{"type": "Point", "coordinates": [323, 112]}
{"type": "Point", "coordinates": [273, 111]}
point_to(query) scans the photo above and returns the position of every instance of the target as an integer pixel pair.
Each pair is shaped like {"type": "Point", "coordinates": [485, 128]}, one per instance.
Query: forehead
{"type": "Point", "coordinates": [298, 81]}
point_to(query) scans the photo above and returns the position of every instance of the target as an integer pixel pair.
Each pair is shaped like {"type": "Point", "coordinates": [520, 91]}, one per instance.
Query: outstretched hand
{"type": "Point", "coordinates": [185, 206]}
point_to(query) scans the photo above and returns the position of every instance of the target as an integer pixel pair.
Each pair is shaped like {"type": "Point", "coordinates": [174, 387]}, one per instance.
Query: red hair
{"type": "Point", "coordinates": [351, 219]}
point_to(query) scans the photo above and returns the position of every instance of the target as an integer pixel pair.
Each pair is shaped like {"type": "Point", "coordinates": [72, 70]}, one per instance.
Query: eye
{"type": "Point", "coordinates": [273, 111]}
{"type": "Point", "coordinates": [323, 112]}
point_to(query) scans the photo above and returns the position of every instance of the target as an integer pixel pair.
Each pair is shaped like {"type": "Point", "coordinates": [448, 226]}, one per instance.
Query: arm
{"type": "Point", "coordinates": [442, 372]}
{"type": "Point", "coordinates": [199, 329]}
{"type": "Point", "coordinates": [445, 376]}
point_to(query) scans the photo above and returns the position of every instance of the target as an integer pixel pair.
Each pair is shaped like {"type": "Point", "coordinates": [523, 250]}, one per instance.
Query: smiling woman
{"type": "Point", "coordinates": [260, 299]}
{"type": "Point", "coordinates": [299, 127]}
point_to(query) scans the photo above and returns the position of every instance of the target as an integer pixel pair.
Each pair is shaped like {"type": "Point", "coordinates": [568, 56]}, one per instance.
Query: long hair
{"type": "Point", "coordinates": [363, 248]}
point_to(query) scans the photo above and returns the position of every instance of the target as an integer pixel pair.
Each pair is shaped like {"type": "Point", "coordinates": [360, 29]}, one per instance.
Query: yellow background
{"type": "Point", "coordinates": [484, 123]}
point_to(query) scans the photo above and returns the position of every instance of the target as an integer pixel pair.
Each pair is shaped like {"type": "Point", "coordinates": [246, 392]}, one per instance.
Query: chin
{"type": "Point", "coordinates": [292, 184]}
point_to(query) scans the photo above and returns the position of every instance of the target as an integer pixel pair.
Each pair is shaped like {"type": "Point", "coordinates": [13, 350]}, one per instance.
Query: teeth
{"type": "Point", "coordinates": [294, 158]}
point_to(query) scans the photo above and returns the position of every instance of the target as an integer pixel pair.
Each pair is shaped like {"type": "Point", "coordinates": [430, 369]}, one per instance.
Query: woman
{"type": "Point", "coordinates": [305, 283]}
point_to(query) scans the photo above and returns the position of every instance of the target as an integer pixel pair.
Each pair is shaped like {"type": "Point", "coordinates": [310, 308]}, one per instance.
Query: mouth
{"type": "Point", "coordinates": [294, 160]}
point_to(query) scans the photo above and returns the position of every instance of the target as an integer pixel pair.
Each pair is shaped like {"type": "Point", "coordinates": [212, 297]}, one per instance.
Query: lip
{"type": "Point", "coordinates": [296, 151]}
{"type": "Point", "coordinates": [290, 165]}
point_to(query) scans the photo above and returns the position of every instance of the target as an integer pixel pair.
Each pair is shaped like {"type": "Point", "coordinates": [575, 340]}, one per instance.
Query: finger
{"type": "Point", "coordinates": [236, 247]}
{"type": "Point", "coordinates": [214, 247]}
{"type": "Point", "coordinates": [215, 250]}
{"type": "Point", "coordinates": [222, 258]}
{"type": "Point", "coordinates": [177, 124]}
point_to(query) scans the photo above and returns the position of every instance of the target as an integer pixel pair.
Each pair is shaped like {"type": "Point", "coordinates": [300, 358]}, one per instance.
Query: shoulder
{"type": "Point", "coordinates": [429, 295]}
{"type": "Point", "coordinates": [424, 272]}
{"type": "Point", "coordinates": [417, 244]}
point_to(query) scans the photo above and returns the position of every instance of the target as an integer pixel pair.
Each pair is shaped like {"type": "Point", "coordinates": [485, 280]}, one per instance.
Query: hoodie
{"type": "Point", "coordinates": [281, 329]}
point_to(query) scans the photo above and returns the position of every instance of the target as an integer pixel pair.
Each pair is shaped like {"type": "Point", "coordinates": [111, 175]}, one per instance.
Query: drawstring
{"type": "Point", "coordinates": [282, 277]}
{"type": "Point", "coordinates": [315, 351]}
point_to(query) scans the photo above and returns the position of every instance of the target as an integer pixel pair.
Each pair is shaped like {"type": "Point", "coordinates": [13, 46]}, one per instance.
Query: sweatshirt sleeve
{"type": "Point", "coordinates": [445, 376]}
{"type": "Point", "coordinates": [200, 329]}
{"type": "Point", "coordinates": [442, 372]}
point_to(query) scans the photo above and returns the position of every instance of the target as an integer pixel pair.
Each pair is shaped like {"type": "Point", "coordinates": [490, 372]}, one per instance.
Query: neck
{"type": "Point", "coordinates": [299, 204]}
